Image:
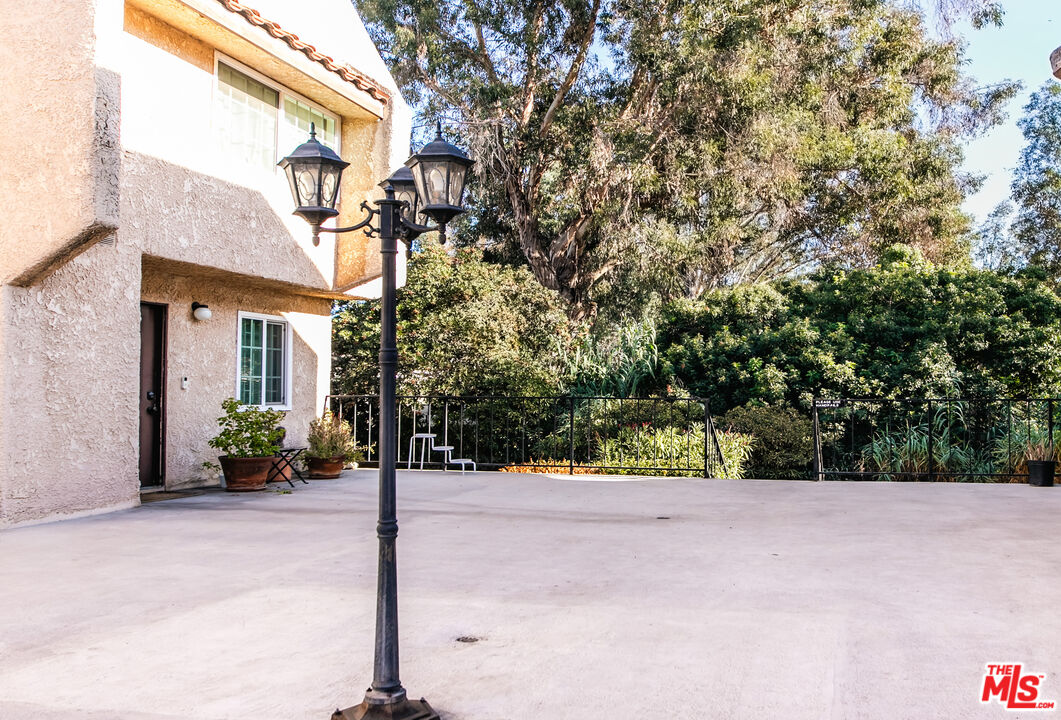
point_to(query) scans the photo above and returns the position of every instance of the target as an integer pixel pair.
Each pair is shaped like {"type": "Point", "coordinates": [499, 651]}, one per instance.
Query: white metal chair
{"type": "Point", "coordinates": [448, 459]}
{"type": "Point", "coordinates": [424, 438]}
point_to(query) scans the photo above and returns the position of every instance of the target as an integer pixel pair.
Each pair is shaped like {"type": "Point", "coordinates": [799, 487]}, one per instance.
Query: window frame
{"type": "Point", "coordinates": [242, 315]}
{"type": "Point", "coordinates": [278, 153]}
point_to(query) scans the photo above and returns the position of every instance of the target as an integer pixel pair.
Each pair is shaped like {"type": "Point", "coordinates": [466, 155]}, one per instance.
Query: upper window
{"type": "Point", "coordinates": [258, 122]}
{"type": "Point", "coordinates": [264, 375]}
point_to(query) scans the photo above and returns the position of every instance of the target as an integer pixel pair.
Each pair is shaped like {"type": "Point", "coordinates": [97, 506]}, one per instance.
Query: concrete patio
{"type": "Point", "coordinates": [656, 598]}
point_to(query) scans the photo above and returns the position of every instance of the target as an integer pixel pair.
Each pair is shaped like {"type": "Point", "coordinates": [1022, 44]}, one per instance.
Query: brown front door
{"type": "Point", "coordinates": [152, 393]}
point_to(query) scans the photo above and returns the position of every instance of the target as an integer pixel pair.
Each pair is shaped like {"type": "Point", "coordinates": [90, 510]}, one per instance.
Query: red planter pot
{"type": "Point", "coordinates": [322, 468]}
{"type": "Point", "coordinates": [245, 474]}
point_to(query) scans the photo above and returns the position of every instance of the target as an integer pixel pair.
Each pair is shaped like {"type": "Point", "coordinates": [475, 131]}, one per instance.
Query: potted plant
{"type": "Point", "coordinates": [249, 438]}
{"type": "Point", "coordinates": [331, 446]}
{"type": "Point", "coordinates": [1039, 456]}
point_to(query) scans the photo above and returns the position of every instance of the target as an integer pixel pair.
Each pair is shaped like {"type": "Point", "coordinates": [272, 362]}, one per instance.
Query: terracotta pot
{"type": "Point", "coordinates": [325, 467]}
{"type": "Point", "coordinates": [282, 475]}
{"type": "Point", "coordinates": [245, 474]}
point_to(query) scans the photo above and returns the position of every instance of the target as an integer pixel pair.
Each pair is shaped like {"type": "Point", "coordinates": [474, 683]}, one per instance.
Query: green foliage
{"type": "Point", "coordinates": [904, 329]}
{"type": "Point", "coordinates": [721, 141]}
{"type": "Point", "coordinates": [620, 363]}
{"type": "Point", "coordinates": [465, 327]}
{"type": "Point", "coordinates": [641, 451]}
{"type": "Point", "coordinates": [247, 431]}
{"type": "Point", "coordinates": [1028, 232]}
{"type": "Point", "coordinates": [783, 441]}
{"type": "Point", "coordinates": [906, 451]}
{"type": "Point", "coordinates": [1029, 439]}
{"type": "Point", "coordinates": [330, 437]}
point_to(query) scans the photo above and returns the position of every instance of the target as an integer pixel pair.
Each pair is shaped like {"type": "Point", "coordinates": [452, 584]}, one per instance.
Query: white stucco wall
{"type": "Point", "coordinates": [179, 227]}
{"type": "Point", "coordinates": [68, 418]}
{"type": "Point", "coordinates": [205, 353]}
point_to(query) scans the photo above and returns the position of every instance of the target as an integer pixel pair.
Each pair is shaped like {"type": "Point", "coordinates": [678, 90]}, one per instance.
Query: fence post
{"type": "Point", "coordinates": [1050, 424]}
{"type": "Point", "coordinates": [931, 443]}
{"type": "Point", "coordinates": [707, 435]}
{"type": "Point", "coordinates": [571, 435]}
{"type": "Point", "coordinates": [817, 460]}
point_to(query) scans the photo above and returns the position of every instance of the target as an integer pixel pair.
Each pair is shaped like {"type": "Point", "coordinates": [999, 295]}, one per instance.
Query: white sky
{"type": "Point", "coordinates": [1020, 50]}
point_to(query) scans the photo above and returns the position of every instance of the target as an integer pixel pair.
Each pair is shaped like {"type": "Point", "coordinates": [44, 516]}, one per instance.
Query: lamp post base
{"type": "Point", "coordinates": [402, 710]}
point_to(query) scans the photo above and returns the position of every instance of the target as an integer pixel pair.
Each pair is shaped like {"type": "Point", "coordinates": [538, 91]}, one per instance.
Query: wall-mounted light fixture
{"type": "Point", "coordinates": [201, 312]}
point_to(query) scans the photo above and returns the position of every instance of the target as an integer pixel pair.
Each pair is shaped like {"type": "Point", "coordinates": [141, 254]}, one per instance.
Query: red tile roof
{"type": "Point", "coordinates": [355, 77]}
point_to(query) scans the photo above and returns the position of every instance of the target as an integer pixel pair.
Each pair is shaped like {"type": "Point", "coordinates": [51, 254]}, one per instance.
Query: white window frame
{"type": "Point", "coordinates": [288, 346]}
{"type": "Point", "coordinates": [278, 152]}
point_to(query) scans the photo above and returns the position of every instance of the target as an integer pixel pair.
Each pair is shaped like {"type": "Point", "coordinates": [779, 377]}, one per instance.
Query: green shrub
{"type": "Point", "coordinates": [652, 451]}
{"type": "Point", "coordinates": [783, 443]}
{"type": "Point", "coordinates": [329, 438]}
{"type": "Point", "coordinates": [247, 431]}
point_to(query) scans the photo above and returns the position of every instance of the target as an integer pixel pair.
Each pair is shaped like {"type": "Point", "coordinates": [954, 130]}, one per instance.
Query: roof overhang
{"type": "Point", "coordinates": [231, 32]}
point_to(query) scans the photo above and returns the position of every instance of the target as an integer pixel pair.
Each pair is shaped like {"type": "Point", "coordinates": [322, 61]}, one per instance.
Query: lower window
{"type": "Point", "coordinates": [264, 361]}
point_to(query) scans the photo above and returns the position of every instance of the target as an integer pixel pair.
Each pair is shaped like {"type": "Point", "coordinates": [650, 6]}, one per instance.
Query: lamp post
{"type": "Point", "coordinates": [432, 182]}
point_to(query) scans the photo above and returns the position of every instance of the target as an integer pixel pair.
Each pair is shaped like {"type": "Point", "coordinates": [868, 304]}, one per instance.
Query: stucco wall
{"type": "Point", "coordinates": [68, 389]}
{"type": "Point", "coordinates": [186, 201]}
{"type": "Point", "coordinates": [205, 354]}
{"type": "Point", "coordinates": [60, 136]}
{"type": "Point", "coordinates": [193, 205]}
{"type": "Point", "coordinates": [177, 225]}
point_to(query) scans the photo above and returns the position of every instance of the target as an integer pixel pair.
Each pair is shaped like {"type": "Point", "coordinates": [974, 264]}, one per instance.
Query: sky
{"type": "Point", "coordinates": [1019, 50]}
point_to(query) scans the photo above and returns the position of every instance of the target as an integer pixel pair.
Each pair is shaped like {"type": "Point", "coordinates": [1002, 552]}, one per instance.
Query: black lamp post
{"type": "Point", "coordinates": [314, 172]}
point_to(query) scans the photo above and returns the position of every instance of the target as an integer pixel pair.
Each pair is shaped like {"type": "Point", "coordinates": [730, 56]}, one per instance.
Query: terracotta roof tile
{"type": "Point", "coordinates": [355, 77]}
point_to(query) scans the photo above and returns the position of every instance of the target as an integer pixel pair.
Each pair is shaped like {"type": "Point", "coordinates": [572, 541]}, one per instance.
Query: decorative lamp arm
{"type": "Point", "coordinates": [365, 225]}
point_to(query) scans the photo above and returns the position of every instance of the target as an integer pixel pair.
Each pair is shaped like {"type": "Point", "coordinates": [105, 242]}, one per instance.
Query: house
{"type": "Point", "coordinates": [140, 141]}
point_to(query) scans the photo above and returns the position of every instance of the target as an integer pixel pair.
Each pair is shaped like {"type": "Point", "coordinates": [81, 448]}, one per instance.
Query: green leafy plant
{"type": "Point", "coordinates": [1028, 440]}
{"type": "Point", "coordinates": [247, 431]}
{"type": "Point", "coordinates": [649, 450]}
{"type": "Point", "coordinates": [783, 440]}
{"type": "Point", "coordinates": [941, 439]}
{"type": "Point", "coordinates": [330, 437]}
{"type": "Point", "coordinates": [620, 362]}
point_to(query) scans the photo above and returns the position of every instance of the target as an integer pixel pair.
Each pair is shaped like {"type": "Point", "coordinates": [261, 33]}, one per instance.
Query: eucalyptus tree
{"type": "Point", "coordinates": [711, 141]}
{"type": "Point", "coordinates": [1036, 188]}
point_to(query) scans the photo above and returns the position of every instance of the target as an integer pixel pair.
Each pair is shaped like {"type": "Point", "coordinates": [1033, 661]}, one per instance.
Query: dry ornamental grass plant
{"type": "Point", "coordinates": [330, 437]}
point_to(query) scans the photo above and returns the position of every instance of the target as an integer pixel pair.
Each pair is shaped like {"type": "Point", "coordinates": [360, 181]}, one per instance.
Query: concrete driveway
{"type": "Point", "coordinates": [657, 598]}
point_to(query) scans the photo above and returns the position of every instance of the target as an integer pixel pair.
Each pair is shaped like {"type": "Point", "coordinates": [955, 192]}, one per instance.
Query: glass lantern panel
{"type": "Point", "coordinates": [292, 182]}
{"type": "Point", "coordinates": [436, 183]}
{"type": "Point", "coordinates": [408, 195]}
{"type": "Point", "coordinates": [329, 186]}
{"type": "Point", "coordinates": [307, 187]}
{"type": "Point", "coordinates": [418, 178]}
{"type": "Point", "coordinates": [456, 183]}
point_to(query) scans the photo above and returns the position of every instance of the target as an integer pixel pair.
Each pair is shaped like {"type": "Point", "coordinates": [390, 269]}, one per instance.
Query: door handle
{"type": "Point", "coordinates": [151, 395]}
{"type": "Point", "coordinates": [152, 409]}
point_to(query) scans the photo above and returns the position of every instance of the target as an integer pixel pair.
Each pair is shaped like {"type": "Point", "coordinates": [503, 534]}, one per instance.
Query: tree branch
{"type": "Point", "coordinates": [573, 71]}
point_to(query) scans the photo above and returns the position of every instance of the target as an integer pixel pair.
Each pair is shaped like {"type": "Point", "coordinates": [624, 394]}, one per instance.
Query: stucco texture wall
{"type": "Point", "coordinates": [152, 213]}
{"type": "Point", "coordinates": [205, 353]}
{"type": "Point", "coordinates": [69, 386]}
{"type": "Point", "coordinates": [57, 101]}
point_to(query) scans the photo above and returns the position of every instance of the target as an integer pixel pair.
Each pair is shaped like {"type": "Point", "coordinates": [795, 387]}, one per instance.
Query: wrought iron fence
{"type": "Point", "coordinates": [661, 436]}
{"type": "Point", "coordinates": [935, 439]}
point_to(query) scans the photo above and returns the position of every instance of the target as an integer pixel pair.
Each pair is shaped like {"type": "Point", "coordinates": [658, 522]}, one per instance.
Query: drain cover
{"type": "Point", "coordinates": [663, 517]}
{"type": "Point", "coordinates": [468, 639]}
